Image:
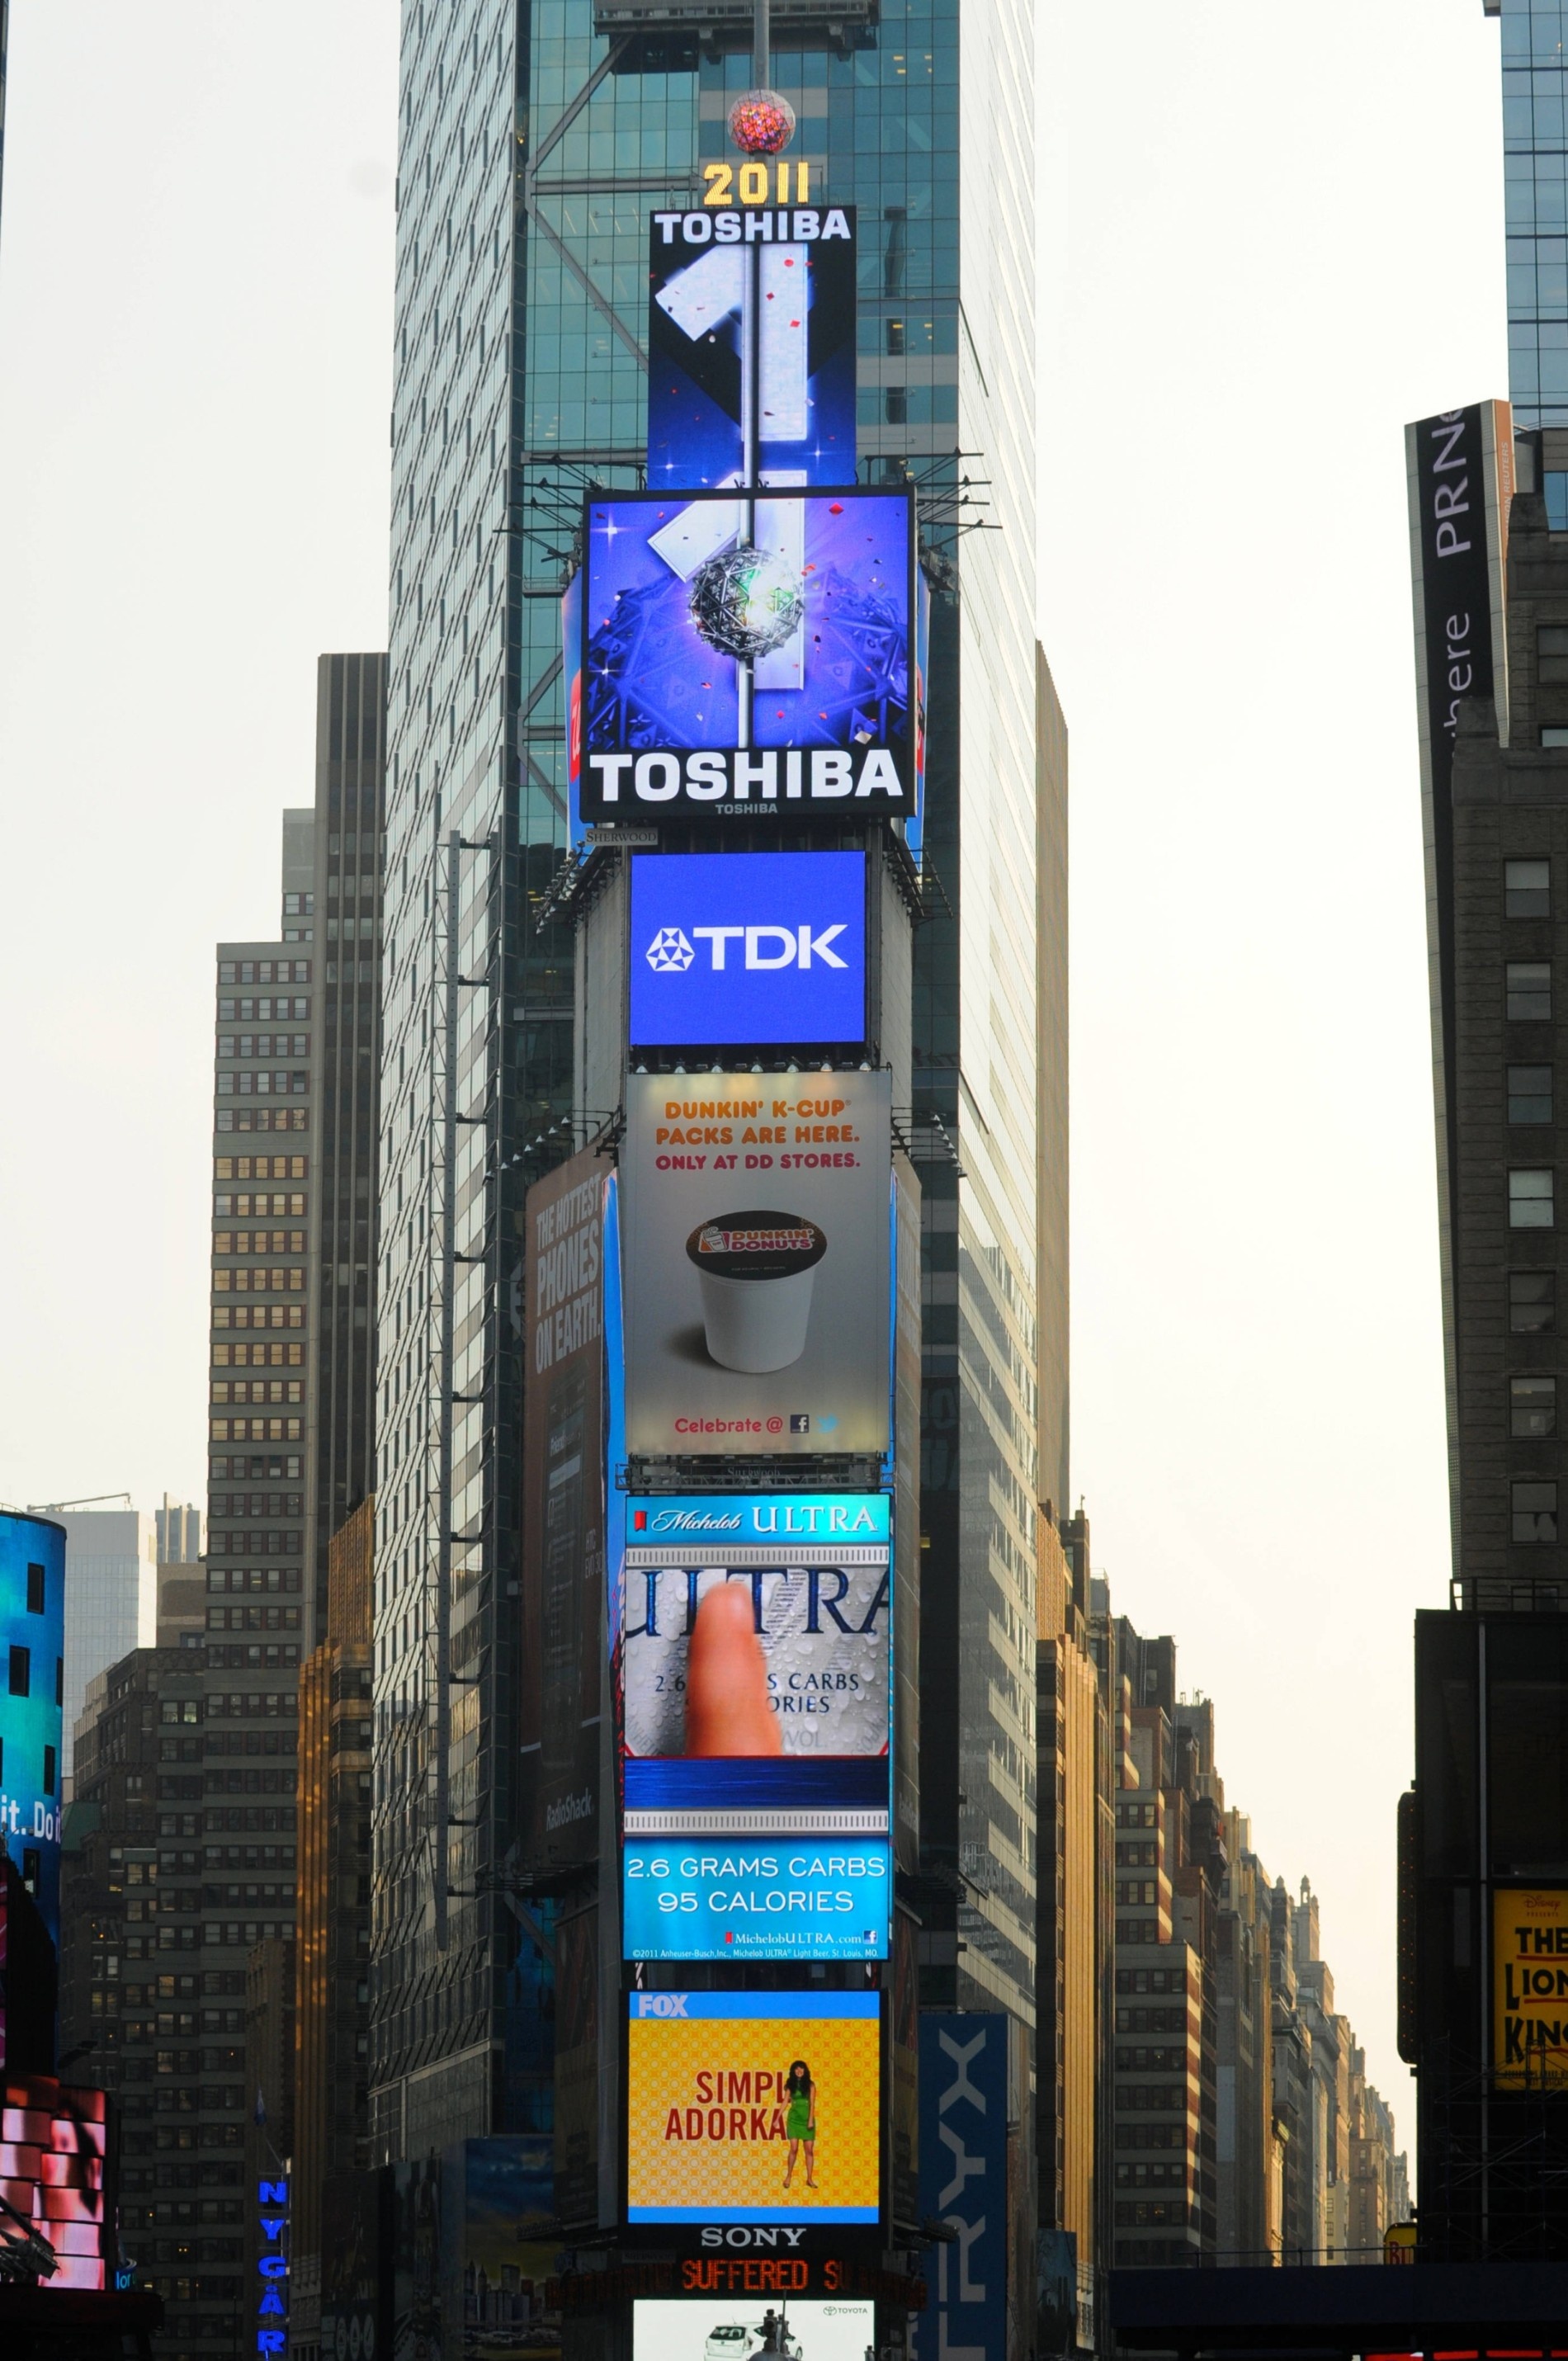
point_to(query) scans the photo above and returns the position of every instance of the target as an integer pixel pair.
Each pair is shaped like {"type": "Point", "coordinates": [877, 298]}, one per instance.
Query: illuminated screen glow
{"type": "Point", "coordinates": [731, 2328]}
{"type": "Point", "coordinates": [32, 1649]}
{"type": "Point", "coordinates": [714, 2126]}
{"type": "Point", "coordinates": [52, 2142]}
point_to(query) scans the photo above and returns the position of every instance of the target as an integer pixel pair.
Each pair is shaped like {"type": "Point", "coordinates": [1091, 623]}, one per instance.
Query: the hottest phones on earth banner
{"type": "Point", "coordinates": [755, 1224]}
{"type": "Point", "coordinates": [756, 1714]}
{"type": "Point", "coordinates": [753, 2107]}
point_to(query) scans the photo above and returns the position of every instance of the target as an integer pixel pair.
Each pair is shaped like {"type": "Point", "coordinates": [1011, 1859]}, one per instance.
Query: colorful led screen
{"type": "Point", "coordinates": [747, 657]}
{"type": "Point", "coordinates": [753, 2107]}
{"type": "Point", "coordinates": [32, 1649]}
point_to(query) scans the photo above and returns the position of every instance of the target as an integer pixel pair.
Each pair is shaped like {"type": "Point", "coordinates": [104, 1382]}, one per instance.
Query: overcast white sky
{"type": "Point", "coordinates": [1269, 235]}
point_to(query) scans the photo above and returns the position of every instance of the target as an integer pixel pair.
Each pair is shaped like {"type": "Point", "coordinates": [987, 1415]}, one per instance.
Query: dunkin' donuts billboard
{"type": "Point", "coordinates": [755, 1216]}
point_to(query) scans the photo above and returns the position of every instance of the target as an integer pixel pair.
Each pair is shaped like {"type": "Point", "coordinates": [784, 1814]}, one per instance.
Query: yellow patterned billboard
{"type": "Point", "coordinates": [755, 2106]}
{"type": "Point", "coordinates": [1530, 1987]}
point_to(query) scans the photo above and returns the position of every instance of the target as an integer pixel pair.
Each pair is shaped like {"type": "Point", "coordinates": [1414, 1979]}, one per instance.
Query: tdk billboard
{"type": "Point", "coordinates": [765, 947]}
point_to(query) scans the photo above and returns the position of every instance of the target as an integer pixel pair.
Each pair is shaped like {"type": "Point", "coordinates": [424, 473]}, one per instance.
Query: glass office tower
{"type": "Point", "coordinates": [537, 135]}
{"type": "Point", "coordinates": [1535, 170]}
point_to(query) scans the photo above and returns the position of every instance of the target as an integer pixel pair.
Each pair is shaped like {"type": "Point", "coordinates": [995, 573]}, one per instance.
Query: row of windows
{"type": "Point", "coordinates": [253, 1619]}
{"type": "Point", "coordinates": [259, 1242]}
{"type": "Point", "coordinates": [259, 1389]}
{"type": "Point", "coordinates": [252, 1577]}
{"type": "Point", "coordinates": [1136, 1816]}
{"type": "Point", "coordinates": [1151, 1980]}
{"type": "Point", "coordinates": [255, 1315]}
{"type": "Point", "coordinates": [1151, 2020]}
{"type": "Point", "coordinates": [1151, 2061]}
{"type": "Point", "coordinates": [1138, 1856]}
{"type": "Point", "coordinates": [261, 1168]}
{"type": "Point", "coordinates": [299, 906]}
{"type": "Point", "coordinates": [247, 1011]}
{"type": "Point", "coordinates": [266, 1082]}
{"type": "Point", "coordinates": [262, 1118]}
{"type": "Point", "coordinates": [1138, 1890]}
{"type": "Point", "coordinates": [263, 1044]}
{"type": "Point", "coordinates": [264, 971]}
{"type": "Point", "coordinates": [258, 1207]}
{"type": "Point", "coordinates": [260, 1357]}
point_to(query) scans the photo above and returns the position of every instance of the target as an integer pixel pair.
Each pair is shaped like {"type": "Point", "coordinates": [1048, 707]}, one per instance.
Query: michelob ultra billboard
{"type": "Point", "coordinates": [1530, 1987]}
{"type": "Point", "coordinates": [756, 1716]}
{"type": "Point", "coordinates": [757, 1263]}
{"type": "Point", "coordinates": [753, 2107]}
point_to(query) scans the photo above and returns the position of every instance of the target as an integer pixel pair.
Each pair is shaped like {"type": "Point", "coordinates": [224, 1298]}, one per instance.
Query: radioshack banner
{"type": "Point", "coordinates": [963, 2182]}
{"type": "Point", "coordinates": [757, 1263]}
{"type": "Point", "coordinates": [753, 2107]}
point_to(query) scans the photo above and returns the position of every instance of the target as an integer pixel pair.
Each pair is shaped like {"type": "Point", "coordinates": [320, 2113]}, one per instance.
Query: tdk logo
{"type": "Point", "coordinates": [747, 948]}
{"type": "Point", "coordinates": [661, 2004]}
{"type": "Point", "coordinates": [669, 953]}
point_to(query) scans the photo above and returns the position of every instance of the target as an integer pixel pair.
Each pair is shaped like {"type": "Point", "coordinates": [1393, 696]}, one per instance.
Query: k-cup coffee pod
{"type": "Point", "coordinates": [756, 1271]}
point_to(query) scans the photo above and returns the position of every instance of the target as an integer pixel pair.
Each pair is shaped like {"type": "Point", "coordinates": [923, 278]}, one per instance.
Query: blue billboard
{"type": "Point", "coordinates": [747, 656]}
{"type": "Point", "coordinates": [963, 2182]}
{"type": "Point", "coordinates": [32, 1689]}
{"type": "Point", "coordinates": [756, 1716]}
{"type": "Point", "coordinates": [751, 342]}
{"type": "Point", "coordinates": [767, 949]}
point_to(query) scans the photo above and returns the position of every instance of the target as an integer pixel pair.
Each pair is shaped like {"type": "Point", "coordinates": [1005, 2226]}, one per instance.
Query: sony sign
{"type": "Point", "coordinates": [763, 948]}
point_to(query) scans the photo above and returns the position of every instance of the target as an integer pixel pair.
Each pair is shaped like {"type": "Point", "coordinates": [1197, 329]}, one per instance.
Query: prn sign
{"type": "Point", "coordinates": [762, 948]}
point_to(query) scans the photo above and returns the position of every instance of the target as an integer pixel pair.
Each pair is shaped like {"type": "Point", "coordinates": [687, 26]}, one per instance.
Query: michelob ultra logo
{"type": "Point", "coordinates": [753, 949]}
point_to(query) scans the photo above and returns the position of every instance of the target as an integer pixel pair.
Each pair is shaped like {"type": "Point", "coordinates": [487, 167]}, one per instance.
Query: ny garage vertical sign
{"type": "Point", "coordinates": [963, 2182]}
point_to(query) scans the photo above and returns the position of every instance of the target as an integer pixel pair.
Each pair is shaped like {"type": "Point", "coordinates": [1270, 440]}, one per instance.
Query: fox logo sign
{"type": "Point", "coordinates": [756, 950]}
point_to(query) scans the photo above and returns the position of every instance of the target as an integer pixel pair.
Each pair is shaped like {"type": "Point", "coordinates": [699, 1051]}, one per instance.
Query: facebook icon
{"type": "Point", "coordinates": [747, 948]}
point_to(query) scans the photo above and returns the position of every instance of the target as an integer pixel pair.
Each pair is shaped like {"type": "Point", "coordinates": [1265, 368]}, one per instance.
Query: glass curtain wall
{"type": "Point", "coordinates": [533, 152]}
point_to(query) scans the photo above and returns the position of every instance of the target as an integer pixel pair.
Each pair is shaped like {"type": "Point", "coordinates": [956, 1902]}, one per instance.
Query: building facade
{"type": "Point", "coordinates": [111, 1595]}
{"type": "Point", "coordinates": [329, 2068]}
{"type": "Point", "coordinates": [535, 143]}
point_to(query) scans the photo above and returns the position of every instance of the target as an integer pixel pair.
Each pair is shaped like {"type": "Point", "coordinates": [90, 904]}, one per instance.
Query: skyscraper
{"type": "Point", "coordinates": [111, 1598]}
{"type": "Point", "coordinates": [534, 144]}
{"type": "Point", "coordinates": [182, 1870]}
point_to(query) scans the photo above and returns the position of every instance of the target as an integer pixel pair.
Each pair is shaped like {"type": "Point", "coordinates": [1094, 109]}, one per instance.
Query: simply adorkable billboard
{"type": "Point", "coordinates": [753, 2106]}
{"type": "Point", "coordinates": [755, 1229]}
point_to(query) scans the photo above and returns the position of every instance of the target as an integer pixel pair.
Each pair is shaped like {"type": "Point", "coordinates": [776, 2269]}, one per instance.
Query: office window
{"type": "Point", "coordinates": [1554, 487]}
{"type": "Point", "coordinates": [21, 1672]}
{"type": "Point", "coordinates": [1532, 1408]}
{"type": "Point", "coordinates": [1551, 652]}
{"type": "Point", "coordinates": [34, 1590]}
{"type": "Point", "coordinates": [1534, 1509]}
{"type": "Point", "coordinates": [1529, 1201]}
{"type": "Point", "coordinates": [1526, 885]}
{"type": "Point", "coordinates": [1529, 990]}
{"type": "Point", "coordinates": [1532, 1303]}
{"type": "Point", "coordinates": [1554, 734]}
{"type": "Point", "coordinates": [1530, 1094]}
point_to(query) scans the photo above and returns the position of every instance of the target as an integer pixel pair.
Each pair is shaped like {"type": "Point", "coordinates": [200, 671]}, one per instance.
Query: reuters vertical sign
{"type": "Point", "coordinates": [563, 1513]}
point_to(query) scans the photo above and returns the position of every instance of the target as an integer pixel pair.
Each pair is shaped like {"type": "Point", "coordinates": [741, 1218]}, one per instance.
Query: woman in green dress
{"type": "Point", "coordinates": [800, 2120]}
